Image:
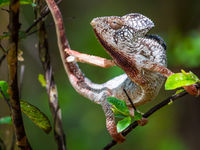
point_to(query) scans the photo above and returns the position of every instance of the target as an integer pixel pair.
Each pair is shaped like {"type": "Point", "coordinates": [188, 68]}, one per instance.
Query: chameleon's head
{"type": "Point", "coordinates": [116, 30]}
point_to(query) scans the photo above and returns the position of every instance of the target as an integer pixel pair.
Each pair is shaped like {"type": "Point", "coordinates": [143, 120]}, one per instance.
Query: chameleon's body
{"type": "Point", "coordinates": [141, 56]}
{"type": "Point", "coordinates": [126, 40]}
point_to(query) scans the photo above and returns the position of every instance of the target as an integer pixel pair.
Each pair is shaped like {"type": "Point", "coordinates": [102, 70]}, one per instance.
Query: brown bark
{"type": "Point", "coordinates": [13, 90]}
{"type": "Point", "coordinates": [51, 86]}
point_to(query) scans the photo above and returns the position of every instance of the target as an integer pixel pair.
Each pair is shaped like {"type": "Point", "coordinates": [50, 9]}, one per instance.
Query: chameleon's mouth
{"type": "Point", "coordinates": [93, 22]}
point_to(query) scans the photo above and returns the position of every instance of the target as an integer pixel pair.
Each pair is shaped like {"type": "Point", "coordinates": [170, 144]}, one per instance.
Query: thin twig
{"type": "Point", "coordinates": [3, 9]}
{"type": "Point", "coordinates": [4, 97]}
{"type": "Point", "coordinates": [130, 100]}
{"type": "Point", "coordinates": [2, 145]}
{"type": "Point", "coordinates": [3, 50]}
{"type": "Point", "coordinates": [13, 90]}
{"type": "Point", "coordinates": [50, 86]}
{"type": "Point", "coordinates": [12, 146]}
{"type": "Point", "coordinates": [45, 12]}
{"type": "Point", "coordinates": [2, 58]}
{"type": "Point", "coordinates": [147, 114]}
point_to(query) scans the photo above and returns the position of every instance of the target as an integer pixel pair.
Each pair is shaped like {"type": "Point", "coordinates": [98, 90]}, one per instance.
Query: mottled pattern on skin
{"type": "Point", "coordinates": [138, 82]}
{"type": "Point", "coordinates": [141, 56]}
{"type": "Point", "coordinates": [125, 39]}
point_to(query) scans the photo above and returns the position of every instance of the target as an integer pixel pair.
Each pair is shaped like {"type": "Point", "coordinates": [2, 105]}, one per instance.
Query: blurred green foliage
{"type": "Point", "coordinates": [5, 120]}
{"type": "Point", "coordinates": [186, 50]}
{"type": "Point", "coordinates": [84, 122]}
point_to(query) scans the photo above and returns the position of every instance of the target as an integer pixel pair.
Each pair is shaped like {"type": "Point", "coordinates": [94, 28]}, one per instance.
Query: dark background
{"type": "Point", "coordinates": [175, 127]}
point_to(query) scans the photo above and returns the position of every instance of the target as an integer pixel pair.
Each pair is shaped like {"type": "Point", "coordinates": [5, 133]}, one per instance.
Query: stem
{"type": "Point", "coordinates": [2, 58]}
{"type": "Point", "coordinates": [51, 86]}
{"type": "Point", "coordinates": [4, 97]}
{"type": "Point", "coordinates": [42, 16]}
{"type": "Point", "coordinates": [13, 90]}
{"type": "Point", "coordinates": [133, 106]}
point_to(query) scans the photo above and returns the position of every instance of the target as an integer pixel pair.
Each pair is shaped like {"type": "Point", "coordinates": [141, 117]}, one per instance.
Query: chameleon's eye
{"type": "Point", "coordinates": [115, 24]}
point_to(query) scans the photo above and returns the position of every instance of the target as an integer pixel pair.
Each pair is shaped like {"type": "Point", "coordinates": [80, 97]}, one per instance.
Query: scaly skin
{"type": "Point", "coordinates": [125, 39]}
{"type": "Point", "coordinates": [141, 56]}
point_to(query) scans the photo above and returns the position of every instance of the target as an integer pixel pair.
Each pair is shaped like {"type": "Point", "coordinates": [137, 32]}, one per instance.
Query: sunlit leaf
{"type": "Point", "coordinates": [7, 2]}
{"type": "Point", "coordinates": [42, 80]}
{"type": "Point", "coordinates": [5, 120]}
{"type": "Point", "coordinates": [137, 116]}
{"type": "Point", "coordinates": [118, 104]}
{"type": "Point", "coordinates": [38, 118]}
{"type": "Point", "coordinates": [123, 124]}
{"type": "Point", "coordinates": [4, 89]}
{"type": "Point", "coordinates": [180, 79]}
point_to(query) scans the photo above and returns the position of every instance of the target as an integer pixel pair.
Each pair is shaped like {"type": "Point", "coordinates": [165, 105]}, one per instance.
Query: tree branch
{"type": "Point", "coordinates": [51, 86]}
{"type": "Point", "coordinates": [149, 113]}
{"type": "Point", "coordinates": [13, 90]}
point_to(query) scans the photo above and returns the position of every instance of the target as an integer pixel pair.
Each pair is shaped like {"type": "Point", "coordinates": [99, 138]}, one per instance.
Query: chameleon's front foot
{"type": "Point", "coordinates": [192, 90]}
{"type": "Point", "coordinates": [111, 126]}
{"type": "Point", "coordinates": [118, 137]}
{"type": "Point", "coordinates": [140, 122]}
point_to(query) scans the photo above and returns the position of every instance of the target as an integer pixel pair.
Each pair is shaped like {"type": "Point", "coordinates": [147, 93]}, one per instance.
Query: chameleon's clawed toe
{"type": "Point", "coordinates": [192, 90]}
{"type": "Point", "coordinates": [143, 121]}
{"type": "Point", "coordinates": [119, 138]}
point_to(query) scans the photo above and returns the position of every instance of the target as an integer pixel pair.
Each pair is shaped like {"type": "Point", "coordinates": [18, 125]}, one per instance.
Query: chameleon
{"type": "Point", "coordinates": [142, 57]}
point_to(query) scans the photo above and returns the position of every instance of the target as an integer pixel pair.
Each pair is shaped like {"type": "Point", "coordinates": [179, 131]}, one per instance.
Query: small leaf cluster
{"type": "Point", "coordinates": [121, 111]}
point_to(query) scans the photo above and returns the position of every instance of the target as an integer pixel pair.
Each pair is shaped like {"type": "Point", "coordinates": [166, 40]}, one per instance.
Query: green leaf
{"type": "Point", "coordinates": [119, 105]}
{"type": "Point", "coordinates": [123, 124]}
{"type": "Point", "coordinates": [137, 116]}
{"type": "Point", "coordinates": [38, 118]}
{"type": "Point", "coordinates": [118, 114]}
{"type": "Point", "coordinates": [42, 80]}
{"type": "Point", "coordinates": [180, 79]}
{"type": "Point", "coordinates": [179, 91]}
{"type": "Point", "coordinates": [5, 120]}
{"type": "Point", "coordinates": [4, 88]}
{"type": "Point", "coordinates": [7, 2]}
